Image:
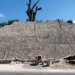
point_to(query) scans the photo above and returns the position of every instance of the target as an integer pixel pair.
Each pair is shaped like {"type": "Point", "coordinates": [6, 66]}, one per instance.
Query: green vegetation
{"type": "Point", "coordinates": [30, 11]}
{"type": "Point", "coordinates": [70, 21]}
{"type": "Point", "coordinates": [11, 21]}
{"type": "Point", "coordinates": [59, 20]}
{"type": "Point", "coordinates": [40, 21]}
{"type": "Point", "coordinates": [2, 24]}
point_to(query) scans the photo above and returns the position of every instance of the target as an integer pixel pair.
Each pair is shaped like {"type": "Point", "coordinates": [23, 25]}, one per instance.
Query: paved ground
{"type": "Point", "coordinates": [37, 73]}
{"type": "Point", "coordinates": [19, 69]}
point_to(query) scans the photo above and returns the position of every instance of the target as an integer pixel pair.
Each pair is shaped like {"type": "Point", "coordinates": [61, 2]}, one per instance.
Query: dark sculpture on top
{"type": "Point", "coordinates": [30, 11]}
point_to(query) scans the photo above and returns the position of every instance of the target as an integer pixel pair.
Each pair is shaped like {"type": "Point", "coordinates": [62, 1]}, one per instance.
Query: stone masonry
{"type": "Point", "coordinates": [25, 40]}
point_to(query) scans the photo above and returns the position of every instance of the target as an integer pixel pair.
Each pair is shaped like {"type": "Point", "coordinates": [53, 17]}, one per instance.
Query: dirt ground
{"type": "Point", "coordinates": [27, 66]}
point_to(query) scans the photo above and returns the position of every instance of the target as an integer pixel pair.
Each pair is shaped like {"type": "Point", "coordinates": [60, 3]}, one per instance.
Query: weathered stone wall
{"type": "Point", "coordinates": [27, 39]}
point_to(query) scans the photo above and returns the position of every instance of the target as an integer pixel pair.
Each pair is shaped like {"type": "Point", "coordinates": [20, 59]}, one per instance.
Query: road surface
{"type": "Point", "coordinates": [42, 72]}
{"type": "Point", "coordinates": [19, 69]}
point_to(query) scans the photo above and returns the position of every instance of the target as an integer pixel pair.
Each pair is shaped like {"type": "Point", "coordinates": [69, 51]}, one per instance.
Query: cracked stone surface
{"type": "Point", "coordinates": [28, 39]}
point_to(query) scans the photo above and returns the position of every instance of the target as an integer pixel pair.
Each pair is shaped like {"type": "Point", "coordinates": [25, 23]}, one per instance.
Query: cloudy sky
{"type": "Point", "coordinates": [51, 10]}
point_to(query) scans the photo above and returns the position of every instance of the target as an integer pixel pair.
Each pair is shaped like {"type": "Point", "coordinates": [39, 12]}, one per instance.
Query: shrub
{"type": "Point", "coordinates": [11, 21]}
{"type": "Point", "coordinates": [59, 20]}
{"type": "Point", "coordinates": [70, 21]}
{"type": "Point", "coordinates": [2, 24]}
{"type": "Point", "coordinates": [39, 21]}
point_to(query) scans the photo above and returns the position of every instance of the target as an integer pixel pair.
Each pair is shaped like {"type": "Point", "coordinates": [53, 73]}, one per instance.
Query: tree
{"type": "Point", "coordinates": [59, 20]}
{"type": "Point", "coordinates": [70, 21]}
{"type": "Point", "coordinates": [11, 21]}
{"type": "Point", "coordinates": [2, 24]}
{"type": "Point", "coordinates": [30, 11]}
{"type": "Point", "coordinates": [40, 21]}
